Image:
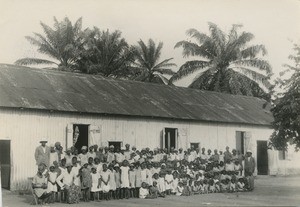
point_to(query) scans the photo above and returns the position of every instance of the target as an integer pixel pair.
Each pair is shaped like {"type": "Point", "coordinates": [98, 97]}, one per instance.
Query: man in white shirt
{"type": "Point", "coordinates": [66, 179]}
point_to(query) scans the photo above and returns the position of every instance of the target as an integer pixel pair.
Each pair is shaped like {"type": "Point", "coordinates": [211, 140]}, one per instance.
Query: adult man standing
{"type": "Point", "coordinates": [249, 169]}
{"type": "Point", "coordinates": [42, 154]}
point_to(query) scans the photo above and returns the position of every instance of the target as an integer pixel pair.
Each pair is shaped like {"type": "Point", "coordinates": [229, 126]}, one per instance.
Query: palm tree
{"type": "Point", "coordinates": [61, 43]}
{"type": "Point", "coordinates": [226, 63]}
{"type": "Point", "coordinates": [147, 66]}
{"type": "Point", "coordinates": [106, 53]}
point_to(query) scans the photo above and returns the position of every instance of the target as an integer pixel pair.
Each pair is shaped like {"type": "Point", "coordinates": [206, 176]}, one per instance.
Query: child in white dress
{"type": "Point", "coordinates": [112, 182]}
{"type": "Point", "coordinates": [161, 183]}
{"type": "Point", "coordinates": [125, 179]}
{"type": "Point", "coordinates": [52, 187]}
{"type": "Point", "coordinates": [174, 183]}
{"type": "Point", "coordinates": [105, 177]}
{"type": "Point", "coordinates": [132, 177]}
{"type": "Point", "coordinates": [168, 182]}
{"type": "Point", "coordinates": [96, 184]}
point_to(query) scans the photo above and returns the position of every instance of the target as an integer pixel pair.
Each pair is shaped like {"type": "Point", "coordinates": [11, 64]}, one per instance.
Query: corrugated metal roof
{"type": "Point", "coordinates": [31, 88]}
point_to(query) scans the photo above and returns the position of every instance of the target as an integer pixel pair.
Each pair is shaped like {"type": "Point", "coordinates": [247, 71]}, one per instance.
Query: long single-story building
{"type": "Point", "coordinates": [40, 104]}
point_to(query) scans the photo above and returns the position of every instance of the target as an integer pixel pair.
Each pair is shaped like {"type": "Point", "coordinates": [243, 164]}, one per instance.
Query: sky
{"type": "Point", "coordinates": [275, 23]}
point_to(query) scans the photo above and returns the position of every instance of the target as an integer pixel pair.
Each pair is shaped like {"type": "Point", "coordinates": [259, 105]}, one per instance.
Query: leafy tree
{"type": "Point", "coordinates": [62, 43]}
{"type": "Point", "coordinates": [225, 62]}
{"type": "Point", "coordinates": [147, 66]}
{"type": "Point", "coordinates": [106, 53]}
{"type": "Point", "coordinates": [286, 109]}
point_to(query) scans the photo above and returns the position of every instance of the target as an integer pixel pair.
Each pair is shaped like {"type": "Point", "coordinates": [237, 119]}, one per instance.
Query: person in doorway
{"type": "Point", "coordinates": [249, 169]}
{"type": "Point", "coordinates": [42, 154]}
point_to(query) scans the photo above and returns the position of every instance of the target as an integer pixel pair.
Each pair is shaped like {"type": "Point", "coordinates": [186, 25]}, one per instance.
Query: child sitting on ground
{"type": "Point", "coordinates": [196, 187]}
{"type": "Point", "coordinates": [211, 186]}
{"type": "Point", "coordinates": [231, 185]}
{"type": "Point", "coordinates": [154, 192]}
{"type": "Point", "coordinates": [240, 185]}
{"type": "Point", "coordinates": [144, 191]}
{"type": "Point", "coordinates": [179, 189]}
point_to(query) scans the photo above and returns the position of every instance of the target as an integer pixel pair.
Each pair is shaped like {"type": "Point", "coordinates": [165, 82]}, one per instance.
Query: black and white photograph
{"type": "Point", "coordinates": [141, 103]}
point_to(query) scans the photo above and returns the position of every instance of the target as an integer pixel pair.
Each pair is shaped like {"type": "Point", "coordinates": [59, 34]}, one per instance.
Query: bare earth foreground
{"type": "Point", "coordinates": [269, 191]}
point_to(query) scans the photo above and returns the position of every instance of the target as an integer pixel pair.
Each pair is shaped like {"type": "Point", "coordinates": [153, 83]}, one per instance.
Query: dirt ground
{"type": "Point", "coordinates": [269, 191]}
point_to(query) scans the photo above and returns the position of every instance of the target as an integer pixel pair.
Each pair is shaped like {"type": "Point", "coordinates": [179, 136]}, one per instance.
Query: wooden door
{"type": "Point", "coordinates": [262, 158]}
{"type": "Point", "coordinates": [5, 164]}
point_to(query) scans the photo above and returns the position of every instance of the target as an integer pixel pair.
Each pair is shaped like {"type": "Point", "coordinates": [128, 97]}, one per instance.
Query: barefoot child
{"type": "Point", "coordinates": [105, 178]}
{"type": "Point", "coordinates": [124, 169]}
{"type": "Point", "coordinates": [132, 175]}
{"type": "Point", "coordinates": [96, 183]}
{"type": "Point", "coordinates": [52, 187]}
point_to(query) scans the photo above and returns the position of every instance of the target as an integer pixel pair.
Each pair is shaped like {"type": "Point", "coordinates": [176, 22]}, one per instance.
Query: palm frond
{"type": "Point", "coordinates": [200, 37]}
{"type": "Point", "coordinates": [253, 51]}
{"type": "Point", "coordinates": [192, 49]}
{"type": "Point", "coordinates": [164, 71]}
{"type": "Point", "coordinates": [34, 61]}
{"type": "Point", "coordinates": [165, 63]}
{"type": "Point", "coordinates": [257, 63]}
{"type": "Point", "coordinates": [163, 79]}
{"type": "Point", "coordinates": [158, 49]}
{"type": "Point", "coordinates": [188, 68]}
{"type": "Point", "coordinates": [218, 36]}
{"type": "Point", "coordinates": [203, 80]}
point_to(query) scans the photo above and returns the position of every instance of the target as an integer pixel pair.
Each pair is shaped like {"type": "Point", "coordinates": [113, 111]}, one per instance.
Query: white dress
{"type": "Point", "coordinates": [124, 177]}
{"type": "Point", "coordinates": [144, 175]}
{"type": "Point", "coordinates": [95, 179]}
{"type": "Point", "coordinates": [105, 175]}
{"type": "Point", "coordinates": [52, 177]}
{"type": "Point", "coordinates": [168, 179]}
{"type": "Point", "coordinates": [149, 177]}
{"type": "Point", "coordinates": [174, 185]}
{"type": "Point", "coordinates": [161, 184]}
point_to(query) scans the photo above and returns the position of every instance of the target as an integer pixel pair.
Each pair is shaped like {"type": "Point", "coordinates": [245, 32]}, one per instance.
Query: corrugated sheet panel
{"type": "Point", "coordinates": [22, 87]}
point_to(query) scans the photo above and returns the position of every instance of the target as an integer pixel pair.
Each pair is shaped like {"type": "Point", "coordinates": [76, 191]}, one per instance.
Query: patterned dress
{"type": "Point", "coordinates": [86, 178]}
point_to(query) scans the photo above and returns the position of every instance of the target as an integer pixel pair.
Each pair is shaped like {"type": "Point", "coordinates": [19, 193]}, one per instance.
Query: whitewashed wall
{"type": "Point", "coordinates": [26, 128]}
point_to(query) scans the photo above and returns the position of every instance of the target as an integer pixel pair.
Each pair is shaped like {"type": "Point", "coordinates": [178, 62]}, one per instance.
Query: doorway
{"type": "Point", "coordinates": [195, 145]}
{"type": "Point", "coordinates": [240, 141]}
{"type": "Point", "coordinates": [5, 163]}
{"type": "Point", "coordinates": [81, 132]}
{"type": "Point", "coordinates": [170, 138]}
{"type": "Point", "coordinates": [117, 145]}
{"type": "Point", "coordinates": [262, 158]}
